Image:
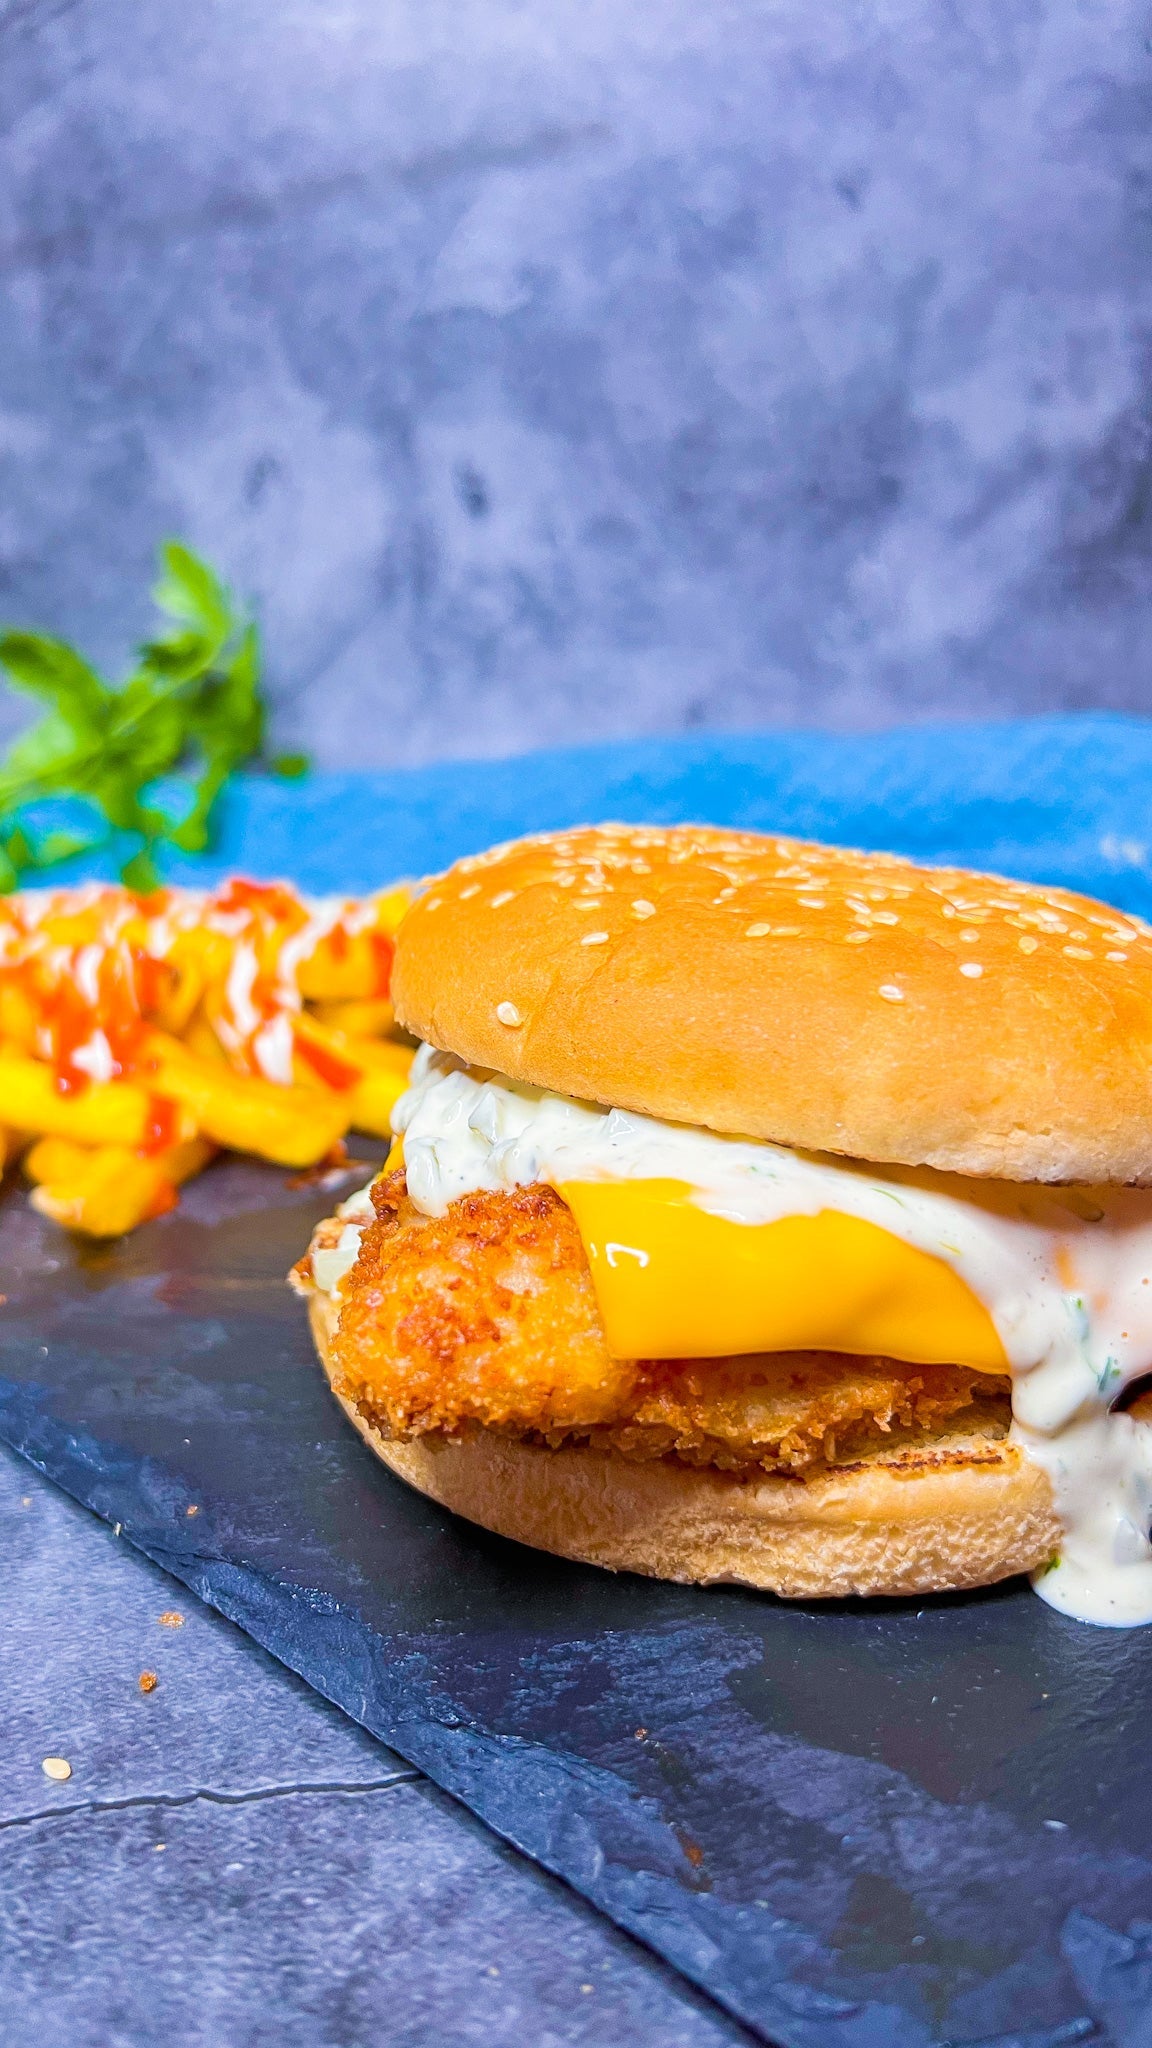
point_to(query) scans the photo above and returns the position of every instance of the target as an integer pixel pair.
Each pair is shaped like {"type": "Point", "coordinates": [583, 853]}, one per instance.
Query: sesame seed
{"type": "Point", "coordinates": [885, 917]}
{"type": "Point", "coordinates": [968, 938]}
{"type": "Point", "coordinates": [1028, 945]}
{"type": "Point", "coordinates": [890, 992]}
{"type": "Point", "coordinates": [473, 889]}
{"type": "Point", "coordinates": [723, 896]}
{"type": "Point", "coordinates": [972, 969]}
{"type": "Point", "coordinates": [594, 939]}
{"type": "Point", "coordinates": [1115, 956]}
{"type": "Point", "coordinates": [508, 1014]}
{"type": "Point", "coordinates": [433, 902]}
{"type": "Point", "coordinates": [641, 908]}
{"type": "Point", "coordinates": [757, 931]}
{"type": "Point", "coordinates": [857, 938]}
{"type": "Point", "coordinates": [1077, 953]}
{"type": "Point", "coordinates": [57, 1767]}
{"type": "Point", "coordinates": [504, 897]}
{"type": "Point", "coordinates": [816, 903]}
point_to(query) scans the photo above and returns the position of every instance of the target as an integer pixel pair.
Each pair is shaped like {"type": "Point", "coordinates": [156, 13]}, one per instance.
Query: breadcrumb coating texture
{"type": "Point", "coordinates": [486, 1317]}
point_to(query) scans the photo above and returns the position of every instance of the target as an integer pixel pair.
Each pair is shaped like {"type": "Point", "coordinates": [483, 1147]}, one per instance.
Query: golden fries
{"type": "Point", "coordinates": [373, 1071]}
{"type": "Point", "coordinates": [140, 1034]}
{"type": "Point", "coordinates": [372, 1101]}
{"type": "Point", "coordinates": [105, 1190]}
{"type": "Point", "coordinates": [117, 1113]}
{"type": "Point", "coordinates": [370, 1017]}
{"type": "Point", "coordinates": [290, 1126]}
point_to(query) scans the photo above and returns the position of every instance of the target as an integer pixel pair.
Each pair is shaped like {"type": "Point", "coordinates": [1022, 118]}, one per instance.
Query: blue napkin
{"type": "Point", "coordinates": [1065, 800]}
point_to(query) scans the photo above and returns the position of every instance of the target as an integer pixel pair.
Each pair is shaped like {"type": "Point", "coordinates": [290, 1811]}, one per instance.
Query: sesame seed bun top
{"type": "Point", "coordinates": [827, 999]}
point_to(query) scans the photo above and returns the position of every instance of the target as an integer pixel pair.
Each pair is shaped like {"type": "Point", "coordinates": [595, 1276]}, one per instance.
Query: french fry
{"type": "Point", "coordinates": [290, 1126]}
{"type": "Point", "coordinates": [353, 966]}
{"type": "Point", "coordinates": [105, 1190]}
{"type": "Point", "coordinates": [337, 1056]}
{"type": "Point", "coordinates": [108, 1113]}
{"type": "Point", "coordinates": [350, 971]}
{"type": "Point", "coordinates": [384, 1079]}
{"type": "Point", "coordinates": [372, 1017]}
{"type": "Point", "coordinates": [17, 1017]}
{"type": "Point", "coordinates": [192, 1001]}
{"type": "Point", "coordinates": [181, 984]}
{"type": "Point", "coordinates": [200, 1038]}
{"type": "Point", "coordinates": [372, 1072]}
{"type": "Point", "coordinates": [371, 1102]}
{"type": "Point", "coordinates": [393, 907]}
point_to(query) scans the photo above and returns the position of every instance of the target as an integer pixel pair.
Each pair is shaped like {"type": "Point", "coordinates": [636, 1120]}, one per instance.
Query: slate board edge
{"type": "Point", "coordinates": [437, 1758]}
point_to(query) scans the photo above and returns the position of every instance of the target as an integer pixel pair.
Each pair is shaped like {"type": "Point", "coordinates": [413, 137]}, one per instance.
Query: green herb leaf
{"type": "Point", "coordinates": [189, 590]}
{"type": "Point", "coordinates": [52, 670]}
{"type": "Point", "coordinates": [190, 714]}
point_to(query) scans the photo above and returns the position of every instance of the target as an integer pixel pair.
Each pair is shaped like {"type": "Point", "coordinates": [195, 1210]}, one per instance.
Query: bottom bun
{"type": "Point", "coordinates": [951, 1520]}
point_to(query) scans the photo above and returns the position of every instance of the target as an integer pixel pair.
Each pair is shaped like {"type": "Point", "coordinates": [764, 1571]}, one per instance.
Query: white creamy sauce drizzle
{"type": "Point", "coordinates": [1071, 1349]}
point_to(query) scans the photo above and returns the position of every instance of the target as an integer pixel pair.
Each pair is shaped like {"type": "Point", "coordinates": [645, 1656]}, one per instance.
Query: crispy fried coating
{"type": "Point", "coordinates": [793, 1412]}
{"type": "Point", "coordinates": [487, 1317]}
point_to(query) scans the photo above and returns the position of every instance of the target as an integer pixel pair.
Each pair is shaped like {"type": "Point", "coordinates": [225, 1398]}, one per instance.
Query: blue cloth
{"type": "Point", "coordinates": [1065, 800]}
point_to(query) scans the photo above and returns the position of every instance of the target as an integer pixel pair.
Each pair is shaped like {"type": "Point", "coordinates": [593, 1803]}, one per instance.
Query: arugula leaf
{"type": "Point", "coordinates": [188, 716]}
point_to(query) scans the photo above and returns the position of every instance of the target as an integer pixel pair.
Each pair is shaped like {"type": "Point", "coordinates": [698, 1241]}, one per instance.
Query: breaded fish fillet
{"type": "Point", "coordinates": [487, 1317]}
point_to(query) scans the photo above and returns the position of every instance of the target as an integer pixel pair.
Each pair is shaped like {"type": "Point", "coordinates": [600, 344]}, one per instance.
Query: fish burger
{"type": "Point", "coordinates": [765, 1212]}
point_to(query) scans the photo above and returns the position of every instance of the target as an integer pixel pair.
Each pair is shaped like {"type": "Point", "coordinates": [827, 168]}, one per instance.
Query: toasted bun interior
{"type": "Point", "coordinates": [826, 999]}
{"type": "Point", "coordinates": [871, 1529]}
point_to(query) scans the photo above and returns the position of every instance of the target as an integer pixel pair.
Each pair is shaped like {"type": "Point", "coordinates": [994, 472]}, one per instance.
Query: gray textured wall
{"type": "Point", "coordinates": [557, 368]}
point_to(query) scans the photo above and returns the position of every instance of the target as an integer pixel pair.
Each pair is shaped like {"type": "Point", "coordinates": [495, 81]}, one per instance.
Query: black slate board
{"type": "Point", "coordinates": [857, 1826]}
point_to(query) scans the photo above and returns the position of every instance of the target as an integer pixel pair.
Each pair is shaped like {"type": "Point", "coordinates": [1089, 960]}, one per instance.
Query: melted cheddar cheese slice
{"type": "Point", "coordinates": [674, 1281]}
